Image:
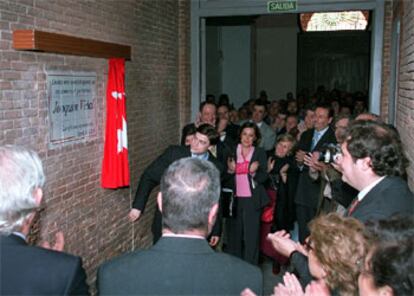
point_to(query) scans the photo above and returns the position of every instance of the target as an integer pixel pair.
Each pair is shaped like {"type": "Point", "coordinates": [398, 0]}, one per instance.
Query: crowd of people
{"type": "Point", "coordinates": [232, 193]}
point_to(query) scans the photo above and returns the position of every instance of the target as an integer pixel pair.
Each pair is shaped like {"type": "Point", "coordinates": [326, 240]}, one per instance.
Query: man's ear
{"type": "Point", "coordinates": [213, 214]}
{"type": "Point", "coordinates": [159, 201]}
{"type": "Point", "coordinates": [38, 195]}
{"type": "Point", "coordinates": [385, 291]}
{"type": "Point", "coordinates": [365, 163]}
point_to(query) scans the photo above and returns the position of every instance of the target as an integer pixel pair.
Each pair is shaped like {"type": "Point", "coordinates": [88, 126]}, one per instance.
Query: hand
{"type": "Point", "coordinates": [337, 164]}
{"type": "Point", "coordinates": [59, 243]}
{"type": "Point", "coordinates": [253, 167]}
{"type": "Point", "coordinates": [214, 240]}
{"type": "Point", "coordinates": [134, 215]}
{"type": "Point", "coordinates": [291, 286]}
{"type": "Point", "coordinates": [270, 164]}
{"type": "Point", "coordinates": [222, 124]}
{"type": "Point", "coordinates": [302, 249]}
{"type": "Point", "coordinates": [300, 155]}
{"type": "Point", "coordinates": [231, 165]}
{"type": "Point", "coordinates": [317, 288]}
{"type": "Point", "coordinates": [197, 121]}
{"type": "Point", "coordinates": [282, 242]}
{"type": "Point", "coordinates": [247, 292]}
{"type": "Point", "coordinates": [302, 127]}
{"type": "Point", "coordinates": [283, 172]}
{"type": "Point", "coordinates": [312, 161]}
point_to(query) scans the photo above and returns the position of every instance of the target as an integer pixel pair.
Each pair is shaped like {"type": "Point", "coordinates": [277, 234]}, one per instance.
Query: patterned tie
{"type": "Point", "coordinates": [353, 206]}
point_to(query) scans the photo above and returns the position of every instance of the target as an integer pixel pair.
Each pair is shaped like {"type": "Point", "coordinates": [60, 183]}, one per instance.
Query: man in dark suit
{"type": "Point", "coordinates": [24, 269]}
{"type": "Point", "coordinates": [205, 137]}
{"type": "Point", "coordinates": [307, 193]}
{"type": "Point", "coordinates": [182, 262]}
{"type": "Point", "coordinates": [373, 162]}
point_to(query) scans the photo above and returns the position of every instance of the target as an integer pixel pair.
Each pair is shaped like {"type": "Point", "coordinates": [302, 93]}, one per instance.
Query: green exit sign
{"type": "Point", "coordinates": [282, 6]}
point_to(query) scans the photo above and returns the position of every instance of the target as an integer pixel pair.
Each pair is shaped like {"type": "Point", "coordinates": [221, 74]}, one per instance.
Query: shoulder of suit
{"type": "Point", "coordinates": [259, 150]}
{"type": "Point", "coordinates": [178, 149]}
{"type": "Point", "coordinates": [394, 183]}
{"type": "Point", "coordinates": [236, 263]}
{"type": "Point", "coordinates": [266, 127]}
{"type": "Point", "coordinates": [52, 254]}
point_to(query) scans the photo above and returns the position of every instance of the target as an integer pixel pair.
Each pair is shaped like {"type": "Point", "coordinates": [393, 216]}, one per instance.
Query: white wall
{"type": "Point", "coordinates": [276, 55]}
{"type": "Point", "coordinates": [236, 63]}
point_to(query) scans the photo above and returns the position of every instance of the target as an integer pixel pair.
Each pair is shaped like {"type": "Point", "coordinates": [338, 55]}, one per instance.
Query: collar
{"type": "Point", "coordinates": [183, 235]}
{"type": "Point", "coordinates": [19, 234]}
{"type": "Point", "coordinates": [321, 132]}
{"type": "Point", "coordinates": [259, 124]}
{"type": "Point", "coordinates": [203, 156]}
{"type": "Point", "coordinates": [367, 189]}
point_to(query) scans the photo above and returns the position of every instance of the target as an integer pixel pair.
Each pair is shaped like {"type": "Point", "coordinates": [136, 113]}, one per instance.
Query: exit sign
{"type": "Point", "coordinates": [282, 6]}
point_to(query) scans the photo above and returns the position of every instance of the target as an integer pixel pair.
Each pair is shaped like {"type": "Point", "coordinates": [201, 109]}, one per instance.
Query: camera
{"type": "Point", "coordinates": [330, 153]}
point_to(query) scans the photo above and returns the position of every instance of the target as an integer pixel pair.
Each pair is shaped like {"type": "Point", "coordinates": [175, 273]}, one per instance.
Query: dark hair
{"type": "Point", "coordinates": [188, 130]}
{"type": "Point", "coordinates": [224, 99]}
{"type": "Point", "coordinates": [206, 103]}
{"type": "Point", "coordinates": [381, 144]}
{"type": "Point", "coordinates": [254, 126]}
{"type": "Point", "coordinates": [209, 131]}
{"type": "Point", "coordinates": [392, 260]}
{"type": "Point", "coordinates": [224, 105]}
{"type": "Point", "coordinates": [328, 107]}
{"type": "Point", "coordinates": [260, 102]}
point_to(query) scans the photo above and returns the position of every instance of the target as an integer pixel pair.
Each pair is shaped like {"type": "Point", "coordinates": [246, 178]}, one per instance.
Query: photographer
{"type": "Point", "coordinates": [335, 195]}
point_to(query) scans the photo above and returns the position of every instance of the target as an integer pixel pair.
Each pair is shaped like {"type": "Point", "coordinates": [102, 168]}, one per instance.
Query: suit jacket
{"type": "Point", "coordinates": [178, 266]}
{"type": "Point", "coordinates": [388, 197]}
{"type": "Point", "coordinates": [152, 178]}
{"type": "Point", "coordinates": [308, 189]}
{"type": "Point", "coordinates": [153, 173]}
{"type": "Point", "coordinates": [259, 195]}
{"type": "Point", "coordinates": [28, 270]}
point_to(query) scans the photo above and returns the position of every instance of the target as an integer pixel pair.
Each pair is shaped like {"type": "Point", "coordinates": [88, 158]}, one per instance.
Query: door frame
{"type": "Point", "coordinates": [201, 9]}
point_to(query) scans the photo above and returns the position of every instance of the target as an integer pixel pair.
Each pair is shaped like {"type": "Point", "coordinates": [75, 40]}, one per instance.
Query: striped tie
{"type": "Point", "coordinates": [353, 206]}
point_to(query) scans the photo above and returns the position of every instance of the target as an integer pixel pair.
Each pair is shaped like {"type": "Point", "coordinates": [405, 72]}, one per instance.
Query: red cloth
{"type": "Point", "coordinates": [267, 217]}
{"type": "Point", "coordinates": [115, 169]}
{"type": "Point", "coordinates": [267, 213]}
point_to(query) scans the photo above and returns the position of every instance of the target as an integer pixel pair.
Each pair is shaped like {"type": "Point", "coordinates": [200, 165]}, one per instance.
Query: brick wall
{"type": "Point", "coordinates": [405, 103]}
{"type": "Point", "coordinates": [157, 87]}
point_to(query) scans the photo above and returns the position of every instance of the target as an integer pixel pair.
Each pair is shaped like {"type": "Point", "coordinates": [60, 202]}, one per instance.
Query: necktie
{"type": "Point", "coordinates": [353, 206]}
{"type": "Point", "coordinates": [315, 139]}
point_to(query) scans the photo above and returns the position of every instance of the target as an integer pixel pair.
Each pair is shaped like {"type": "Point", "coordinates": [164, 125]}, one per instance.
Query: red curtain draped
{"type": "Point", "coordinates": [115, 169]}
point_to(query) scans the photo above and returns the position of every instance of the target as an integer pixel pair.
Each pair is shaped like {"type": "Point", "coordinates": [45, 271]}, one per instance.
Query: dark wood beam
{"type": "Point", "coordinates": [34, 40]}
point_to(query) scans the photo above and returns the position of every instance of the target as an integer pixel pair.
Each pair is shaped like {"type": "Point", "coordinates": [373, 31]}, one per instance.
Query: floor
{"type": "Point", "coordinates": [269, 279]}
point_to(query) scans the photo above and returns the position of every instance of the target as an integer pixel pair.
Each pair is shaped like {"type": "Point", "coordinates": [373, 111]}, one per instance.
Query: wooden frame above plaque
{"type": "Point", "coordinates": [34, 40]}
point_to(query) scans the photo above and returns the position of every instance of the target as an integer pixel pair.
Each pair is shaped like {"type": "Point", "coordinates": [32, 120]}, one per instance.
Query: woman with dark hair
{"type": "Point", "coordinates": [246, 171]}
{"type": "Point", "coordinates": [389, 265]}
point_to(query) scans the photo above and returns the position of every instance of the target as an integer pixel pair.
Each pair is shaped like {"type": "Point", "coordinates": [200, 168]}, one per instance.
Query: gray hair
{"type": "Point", "coordinates": [190, 187]}
{"type": "Point", "coordinates": [21, 172]}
